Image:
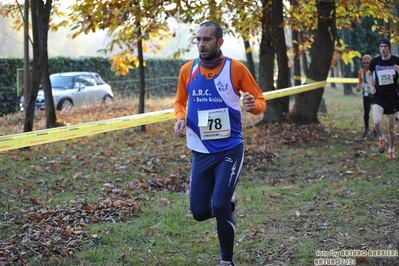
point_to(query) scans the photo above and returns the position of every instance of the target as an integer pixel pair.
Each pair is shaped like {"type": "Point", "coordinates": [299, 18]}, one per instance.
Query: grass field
{"type": "Point", "coordinates": [120, 198]}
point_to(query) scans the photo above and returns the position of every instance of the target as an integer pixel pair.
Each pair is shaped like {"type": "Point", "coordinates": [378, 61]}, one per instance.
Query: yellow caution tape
{"type": "Point", "coordinates": [293, 90]}
{"type": "Point", "coordinates": [38, 137]}
{"type": "Point", "coordinates": [342, 80]}
{"type": "Point", "coordinates": [329, 80]}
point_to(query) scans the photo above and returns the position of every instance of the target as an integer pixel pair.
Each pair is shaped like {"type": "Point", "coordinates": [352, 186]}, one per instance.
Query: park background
{"type": "Point", "coordinates": [120, 198]}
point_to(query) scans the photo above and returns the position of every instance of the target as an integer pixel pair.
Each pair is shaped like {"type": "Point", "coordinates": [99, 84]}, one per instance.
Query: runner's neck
{"type": "Point", "coordinates": [385, 58]}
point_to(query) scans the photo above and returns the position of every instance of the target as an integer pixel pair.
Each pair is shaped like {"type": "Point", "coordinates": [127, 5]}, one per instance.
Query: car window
{"type": "Point", "coordinates": [86, 81]}
{"type": "Point", "coordinates": [98, 79]}
{"type": "Point", "coordinates": [62, 82]}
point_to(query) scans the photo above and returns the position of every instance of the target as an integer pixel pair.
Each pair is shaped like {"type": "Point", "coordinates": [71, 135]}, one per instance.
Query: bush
{"type": "Point", "coordinates": [9, 101]}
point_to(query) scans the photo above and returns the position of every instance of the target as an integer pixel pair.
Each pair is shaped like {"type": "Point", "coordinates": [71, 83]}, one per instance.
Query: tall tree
{"type": "Point", "coordinates": [266, 54]}
{"type": "Point", "coordinates": [141, 72]}
{"type": "Point", "coordinates": [295, 49]}
{"type": "Point", "coordinates": [40, 74]}
{"type": "Point", "coordinates": [278, 108]}
{"type": "Point", "coordinates": [26, 76]}
{"type": "Point", "coordinates": [307, 104]}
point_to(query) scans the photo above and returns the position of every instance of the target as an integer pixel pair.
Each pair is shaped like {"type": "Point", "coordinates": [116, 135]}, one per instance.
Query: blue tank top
{"type": "Point", "coordinates": [214, 111]}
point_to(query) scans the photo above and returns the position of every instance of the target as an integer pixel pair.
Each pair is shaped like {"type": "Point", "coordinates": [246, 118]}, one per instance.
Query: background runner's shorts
{"type": "Point", "coordinates": [390, 106]}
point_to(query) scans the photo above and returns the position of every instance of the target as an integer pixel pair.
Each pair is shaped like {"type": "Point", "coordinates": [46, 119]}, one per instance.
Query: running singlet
{"type": "Point", "coordinates": [385, 76]}
{"type": "Point", "coordinates": [365, 85]}
{"type": "Point", "coordinates": [214, 112]}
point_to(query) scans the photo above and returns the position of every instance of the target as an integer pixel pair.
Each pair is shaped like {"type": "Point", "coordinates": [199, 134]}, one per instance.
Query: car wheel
{"type": "Point", "coordinates": [108, 100]}
{"type": "Point", "coordinates": [65, 104]}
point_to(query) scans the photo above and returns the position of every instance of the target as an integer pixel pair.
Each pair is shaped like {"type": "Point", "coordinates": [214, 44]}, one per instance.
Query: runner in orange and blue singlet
{"type": "Point", "coordinates": [210, 88]}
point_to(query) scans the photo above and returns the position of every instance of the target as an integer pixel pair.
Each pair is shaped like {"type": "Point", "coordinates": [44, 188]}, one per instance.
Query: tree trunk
{"type": "Point", "coordinates": [266, 53]}
{"type": "Point", "coordinates": [332, 74]}
{"type": "Point", "coordinates": [295, 47]}
{"type": "Point", "coordinates": [347, 68]}
{"type": "Point", "coordinates": [280, 46]}
{"type": "Point", "coordinates": [26, 54]}
{"type": "Point", "coordinates": [304, 57]}
{"type": "Point", "coordinates": [277, 108]}
{"type": "Point", "coordinates": [141, 73]}
{"type": "Point", "coordinates": [250, 59]}
{"type": "Point", "coordinates": [30, 101]}
{"type": "Point", "coordinates": [297, 58]}
{"type": "Point", "coordinates": [51, 118]}
{"type": "Point", "coordinates": [40, 24]}
{"type": "Point", "coordinates": [347, 74]}
{"type": "Point", "coordinates": [307, 104]}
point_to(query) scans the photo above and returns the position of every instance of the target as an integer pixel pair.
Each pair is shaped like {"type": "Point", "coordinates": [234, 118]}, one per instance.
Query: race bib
{"type": "Point", "coordinates": [385, 77]}
{"type": "Point", "coordinates": [214, 124]}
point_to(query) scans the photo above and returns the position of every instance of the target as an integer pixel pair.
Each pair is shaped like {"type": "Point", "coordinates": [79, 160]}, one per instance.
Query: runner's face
{"type": "Point", "coordinates": [366, 63]}
{"type": "Point", "coordinates": [384, 49]}
{"type": "Point", "coordinates": [207, 44]}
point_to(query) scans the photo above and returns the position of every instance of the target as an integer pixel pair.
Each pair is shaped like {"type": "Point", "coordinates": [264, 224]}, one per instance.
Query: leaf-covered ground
{"type": "Point", "coordinates": [285, 157]}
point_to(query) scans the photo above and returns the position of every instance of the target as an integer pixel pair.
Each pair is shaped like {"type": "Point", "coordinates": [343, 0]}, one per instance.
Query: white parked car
{"type": "Point", "coordinates": [77, 89]}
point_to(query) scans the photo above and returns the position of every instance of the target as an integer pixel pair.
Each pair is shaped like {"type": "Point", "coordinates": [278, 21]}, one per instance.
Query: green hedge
{"type": "Point", "coordinates": [154, 68]}
{"type": "Point", "coordinates": [9, 101]}
{"type": "Point", "coordinates": [161, 76]}
{"type": "Point", "coordinates": [8, 70]}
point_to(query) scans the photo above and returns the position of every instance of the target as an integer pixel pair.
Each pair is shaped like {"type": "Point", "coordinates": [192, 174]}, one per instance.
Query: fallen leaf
{"type": "Point", "coordinates": [37, 217]}
{"type": "Point", "coordinates": [276, 181]}
{"type": "Point", "coordinates": [69, 231]}
{"type": "Point", "coordinates": [148, 231]}
{"type": "Point", "coordinates": [28, 184]}
{"type": "Point", "coordinates": [55, 260]}
{"type": "Point", "coordinates": [355, 175]}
